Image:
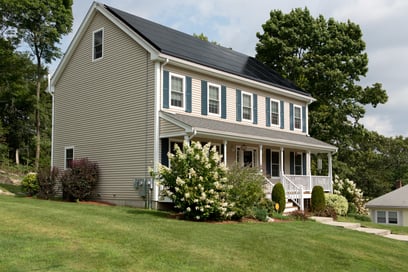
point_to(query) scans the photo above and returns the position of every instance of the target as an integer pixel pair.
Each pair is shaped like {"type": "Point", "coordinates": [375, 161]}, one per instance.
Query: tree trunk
{"type": "Point", "coordinates": [37, 117]}
{"type": "Point", "coordinates": [17, 156]}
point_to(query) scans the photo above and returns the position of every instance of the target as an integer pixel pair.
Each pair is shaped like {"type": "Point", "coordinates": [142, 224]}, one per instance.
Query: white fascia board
{"type": "Point", "coordinates": [98, 7]}
{"type": "Point", "coordinates": [228, 76]}
{"type": "Point", "coordinates": [267, 141]}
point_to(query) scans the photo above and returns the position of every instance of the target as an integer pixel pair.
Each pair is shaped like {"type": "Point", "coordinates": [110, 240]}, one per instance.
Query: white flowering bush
{"type": "Point", "coordinates": [337, 202]}
{"type": "Point", "coordinates": [349, 190]}
{"type": "Point", "coordinates": [196, 182]}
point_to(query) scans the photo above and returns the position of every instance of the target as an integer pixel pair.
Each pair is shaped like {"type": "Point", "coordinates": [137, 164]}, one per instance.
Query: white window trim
{"type": "Point", "coordinates": [171, 90]}
{"type": "Point", "coordinates": [65, 155]}
{"type": "Point", "coordinates": [242, 107]}
{"type": "Point", "coordinates": [387, 217]}
{"type": "Point", "coordinates": [240, 158]}
{"type": "Point", "coordinates": [93, 44]}
{"type": "Point", "coordinates": [294, 119]}
{"type": "Point", "coordinates": [279, 164]}
{"type": "Point", "coordinates": [219, 99]}
{"type": "Point", "coordinates": [279, 113]}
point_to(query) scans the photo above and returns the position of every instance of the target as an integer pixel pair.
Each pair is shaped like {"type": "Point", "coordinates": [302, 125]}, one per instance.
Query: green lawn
{"type": "Point", "coordinates": [38, 235]}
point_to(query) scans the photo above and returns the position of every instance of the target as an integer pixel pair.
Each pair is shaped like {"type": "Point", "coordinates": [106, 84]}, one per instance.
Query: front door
{"type": "Point", "coordinates": [246, 156]}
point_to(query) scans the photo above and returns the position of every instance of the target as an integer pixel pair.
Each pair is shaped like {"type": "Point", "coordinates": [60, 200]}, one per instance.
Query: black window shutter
{"type": "Point", "coordinates": [164, 151]}
{"type": "Point", "coordinates": [282, 114]}
{"type": "Point", "coordinates": [268, 162]}
{"type": "Point", "coordinates": [223, 102]}
{"type": "Point", "coordinates": [304, 119]}
{"type": "Point", "coordinates": [255, 108]}
{"type": "Point", "coordinates": [304, 163]}
{"type": "Point", "coordinates": [166, 89]}
{"type": "Point", "coordinates": [292, 163]}
{"type": "Point", "coordinates": [268, 111]}
{"type": "Point", "coordinates": [204, 97]}
{"type": "Point", "coordinates": [238, 93]}
{"type": "Point", "coordinates": [188, 94]}
{"type": "Point", "coordinates": [291, 116]}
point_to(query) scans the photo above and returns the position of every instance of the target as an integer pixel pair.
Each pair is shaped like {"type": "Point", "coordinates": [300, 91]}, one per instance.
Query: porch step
{"type": "Point", "coordinates": [289, 208]}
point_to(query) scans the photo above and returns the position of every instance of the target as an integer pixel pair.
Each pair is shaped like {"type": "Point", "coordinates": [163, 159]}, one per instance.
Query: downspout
{"type": "Point", "coordinates": [156, 142]}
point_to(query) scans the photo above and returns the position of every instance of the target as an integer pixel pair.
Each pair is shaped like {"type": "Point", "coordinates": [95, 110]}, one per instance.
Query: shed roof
{"type": "Point", "coordinates": [395, 199]}
{"type": "Point", "coordinates": [187, 47]}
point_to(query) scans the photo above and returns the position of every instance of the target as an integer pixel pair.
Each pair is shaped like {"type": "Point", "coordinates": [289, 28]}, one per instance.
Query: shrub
{"type": "Point", "coordinates": [337, 202]}
{"type": "Point", "coordinates": [196, 182]}
{"type": "Point", "coordinates": [318, 200]}
{"type": "Point", "coordinates": [79, 182]}
{"type": "Point", "coordinates": [261, 214]}
{"type": "Point", "coordinates": [298, 215]}
{"type": "Point", "coordinates": [267, 204]}
{"type": "Point", "coordinates": [246, 190]}
{"type": "Point", "coordinates": [30, 184]}
{"type": "Point", "coordinates": [327, 212]}
{"type": "Point", "coordinates": [47, 180]}
{"type": "Point", "coordinates": [349, 190]}
{"type": "Point", "coordinates": [278, 196]}
{"type": "Point", "coordinates": [360, 217]}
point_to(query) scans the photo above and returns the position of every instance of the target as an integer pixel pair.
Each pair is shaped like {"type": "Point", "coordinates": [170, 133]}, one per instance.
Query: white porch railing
{"type": "Point", "coordinates": [296, 186]}
{"type": "Point", "coordinates": [308, 182]}
{"type": "Point", "coordinates": [293, 192]}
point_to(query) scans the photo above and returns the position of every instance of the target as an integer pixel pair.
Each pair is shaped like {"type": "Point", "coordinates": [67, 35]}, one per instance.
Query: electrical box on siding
{"type": "Point", "coordinates": [143, 185]}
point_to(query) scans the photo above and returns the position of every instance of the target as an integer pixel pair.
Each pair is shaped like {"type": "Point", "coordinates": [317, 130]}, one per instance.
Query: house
{"type": "Point", "coordinates": [391, 208]}
{"type": "Point", "coordinates": [128, 89]}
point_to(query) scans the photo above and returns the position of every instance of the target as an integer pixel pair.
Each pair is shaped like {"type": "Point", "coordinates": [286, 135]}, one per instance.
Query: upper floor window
{"type": "Point", "coordinates": [97, 44]}
{"type": "Point", "coordinates": [214, 99]}
{"type": "Point", "coordinates": [246, 106]}
{"type": "Point", "coordinates": [297, 117]}
{"type": "Point", "coordinates": [68, 157]}
{"type": "Point", "coordinates": [177, 91]}
{"type": "Point", "coordinates": [275, 112]}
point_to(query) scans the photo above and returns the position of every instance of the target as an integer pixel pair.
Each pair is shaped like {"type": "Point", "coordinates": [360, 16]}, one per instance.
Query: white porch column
{"type": "Point", "coordinates": [187, 140]}
{"type": "Point", "coordinates": [329, 157]}
{"type": "Point", "coordinates": [282, 171]}
{"type": "Point", "coordinates": [308, 164]}
{"type": "Point", "coordinates": [225, 152]}
{"type": "Point", "coordinates": [156, 129]}
{"type": "Point", "coordinates": [260, 157]}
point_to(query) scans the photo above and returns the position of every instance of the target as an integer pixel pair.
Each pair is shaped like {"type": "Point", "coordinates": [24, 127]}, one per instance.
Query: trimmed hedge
{"type": "Point", "coordinates": [278, 196]}
{"type": "Point", "coordinates": [318, 200]}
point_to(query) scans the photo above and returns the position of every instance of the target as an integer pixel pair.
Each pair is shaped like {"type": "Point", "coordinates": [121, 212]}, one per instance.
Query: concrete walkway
{"type": "Point", "coordinates": [357, 226]}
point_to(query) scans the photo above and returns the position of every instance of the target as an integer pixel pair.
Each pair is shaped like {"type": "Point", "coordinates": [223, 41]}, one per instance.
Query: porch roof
{"type": "Point", "coordinates": [204, 127]}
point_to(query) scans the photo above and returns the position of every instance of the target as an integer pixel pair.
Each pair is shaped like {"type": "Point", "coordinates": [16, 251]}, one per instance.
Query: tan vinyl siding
{"type": "Point", "coordinates": [231, 99]}
{"type": "Point", "coordinates": [167, 128]}
{"type": "Point", "coordinates": [104, 109]}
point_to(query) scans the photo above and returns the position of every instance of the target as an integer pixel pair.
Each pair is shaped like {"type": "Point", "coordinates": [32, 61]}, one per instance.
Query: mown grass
{"type": "Point", "coordinates": [57, 236]}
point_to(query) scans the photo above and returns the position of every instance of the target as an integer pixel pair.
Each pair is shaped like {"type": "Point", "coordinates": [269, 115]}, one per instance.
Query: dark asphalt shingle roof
{"type": "Point", "coordinates": [231, 130]}
{"type": "Point", "coordinates": [181, 45]}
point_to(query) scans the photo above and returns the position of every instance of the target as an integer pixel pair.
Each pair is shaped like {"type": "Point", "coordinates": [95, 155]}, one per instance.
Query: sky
{"type": "Point", "coordinates": [234, 23]}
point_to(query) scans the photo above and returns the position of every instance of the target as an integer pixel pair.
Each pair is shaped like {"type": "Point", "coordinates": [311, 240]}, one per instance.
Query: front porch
{"type": "Point", "coordinates": [296, 160]}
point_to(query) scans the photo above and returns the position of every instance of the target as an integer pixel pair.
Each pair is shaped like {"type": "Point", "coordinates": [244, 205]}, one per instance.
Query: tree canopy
{"type": "Point", "coordinates": [326, 58]}
{"type": "Point", "coordinates": [40, 24]}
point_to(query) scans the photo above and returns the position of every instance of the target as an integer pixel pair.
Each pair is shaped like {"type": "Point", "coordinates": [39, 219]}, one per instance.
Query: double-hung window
{"type": "Point", "coordinates": [177, 91]}
{"type": "Point", "coordinates": [213, 99]}
{"type": "Point", "coordinates": [247, 106]}
{"type": "Point", "coordinates": [298, 163]}
{"type": "Point", "coordinates": [274, 112]}
{"type": "Point", "coordinates": [387, 217]}
{"type": "Point", "coordinates": [68, 157]}
{"type": "Point", "coordinates": [297, 117]}
{"type": "Point", "coordinates": [97, 50]}
{"type": "Point", "coordinates": [275, 164]}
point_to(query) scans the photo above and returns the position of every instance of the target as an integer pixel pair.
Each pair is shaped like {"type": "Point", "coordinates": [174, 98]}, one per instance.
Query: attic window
{"type": "Point", "coordinates": [97, 49]}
